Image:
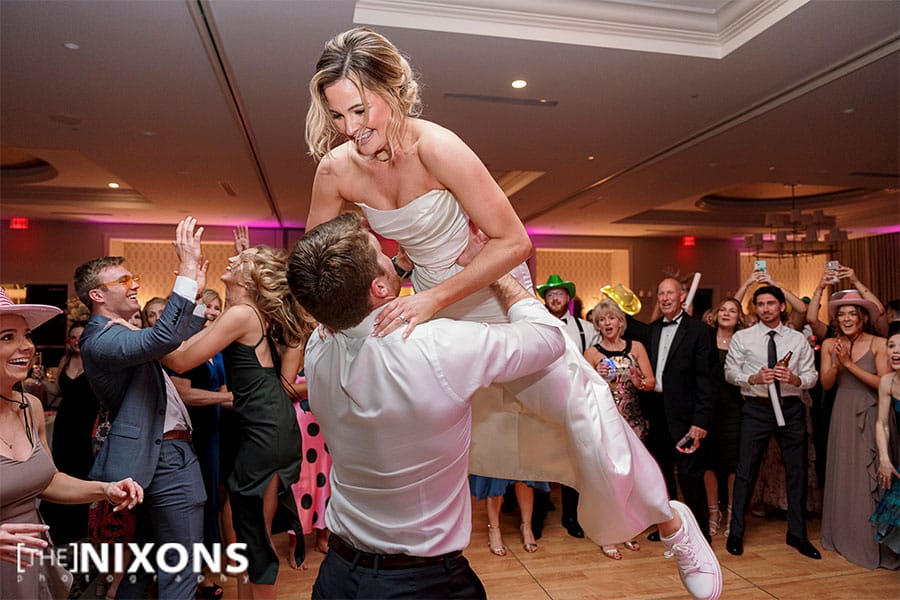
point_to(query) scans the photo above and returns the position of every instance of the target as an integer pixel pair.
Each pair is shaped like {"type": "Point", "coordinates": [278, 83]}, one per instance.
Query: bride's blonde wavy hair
{"type": "Point", "coordinates": [374, 65]}
{"type": "Point", "coordinates": [265, 277]}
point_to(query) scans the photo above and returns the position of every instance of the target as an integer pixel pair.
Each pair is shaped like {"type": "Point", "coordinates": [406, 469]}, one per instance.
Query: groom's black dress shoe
{"type": "Point", "coordinates": [803, 546]}
{"type": "Point", "coordinates": [734, 545]}
{"type": "Point", "coordinates": [573, 528]}
{"type": "Point", "coordinates": [654, 537]}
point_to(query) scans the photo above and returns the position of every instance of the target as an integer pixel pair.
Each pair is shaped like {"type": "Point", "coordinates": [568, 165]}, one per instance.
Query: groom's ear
{"type": "Point", "coordinates": [379, 289]}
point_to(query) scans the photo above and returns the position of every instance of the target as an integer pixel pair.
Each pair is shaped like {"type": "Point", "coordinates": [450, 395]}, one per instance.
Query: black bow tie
{"type": "Point", "coordinates": [564, 320]}
{"type": "Point", "coordinates": [667, 323]}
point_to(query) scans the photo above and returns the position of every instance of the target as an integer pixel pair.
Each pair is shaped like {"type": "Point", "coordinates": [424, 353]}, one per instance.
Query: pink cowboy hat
{"type": "Point", "coordinates": [34, 314]}
{"type": "Point", "coordinates": [841, 298]}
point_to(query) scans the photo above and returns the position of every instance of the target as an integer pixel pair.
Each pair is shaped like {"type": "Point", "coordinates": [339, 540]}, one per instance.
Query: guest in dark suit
{"type": "Point", "coordinates": [149, 439]}
{"type": "Point", "coordinates": [682, 353]}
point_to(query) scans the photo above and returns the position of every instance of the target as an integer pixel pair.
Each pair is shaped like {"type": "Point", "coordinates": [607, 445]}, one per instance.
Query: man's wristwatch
{"type": "Point", "coordinates": [403, 274]}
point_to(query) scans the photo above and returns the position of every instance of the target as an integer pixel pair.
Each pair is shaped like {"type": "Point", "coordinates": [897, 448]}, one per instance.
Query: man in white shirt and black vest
{"type": "Point", "coordinates": [558, 295]}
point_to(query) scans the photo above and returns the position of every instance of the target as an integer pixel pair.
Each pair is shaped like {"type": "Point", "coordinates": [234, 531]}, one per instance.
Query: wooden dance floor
{"type": "Point", "coordinates": [565, 568]}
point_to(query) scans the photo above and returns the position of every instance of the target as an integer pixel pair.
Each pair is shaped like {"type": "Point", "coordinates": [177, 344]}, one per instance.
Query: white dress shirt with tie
{"type": "Point", "coordinates": [749, 351]}
{"type": "Point", "coordinates": [666, 335]}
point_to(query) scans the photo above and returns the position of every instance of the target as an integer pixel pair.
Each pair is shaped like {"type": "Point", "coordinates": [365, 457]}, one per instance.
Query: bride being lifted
{"type": "Point", "coordinates": [421, 185]}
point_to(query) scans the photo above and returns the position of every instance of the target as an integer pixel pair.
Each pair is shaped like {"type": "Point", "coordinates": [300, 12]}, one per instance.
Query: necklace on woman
{"type": "Point", "coordinates": [853, 341]}
{"type": "Point", "coordinates": [22, 404]}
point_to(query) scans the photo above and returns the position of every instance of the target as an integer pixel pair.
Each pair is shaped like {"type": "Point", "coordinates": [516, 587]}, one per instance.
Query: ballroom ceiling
{"type": "Point", "coordinates": [634, 111]}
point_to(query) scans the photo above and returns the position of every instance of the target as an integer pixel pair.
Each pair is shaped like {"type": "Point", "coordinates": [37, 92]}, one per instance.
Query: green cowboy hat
{"type": "Point", "coordinates": [555, 281]}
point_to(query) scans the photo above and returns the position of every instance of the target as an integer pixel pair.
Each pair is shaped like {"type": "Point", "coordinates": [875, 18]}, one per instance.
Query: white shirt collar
{"type": "Point", "coordinates": [364, 327]}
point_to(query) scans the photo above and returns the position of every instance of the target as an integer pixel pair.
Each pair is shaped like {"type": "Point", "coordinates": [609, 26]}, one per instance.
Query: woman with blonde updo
{"type": "Point", "coordinates": [260, 312]}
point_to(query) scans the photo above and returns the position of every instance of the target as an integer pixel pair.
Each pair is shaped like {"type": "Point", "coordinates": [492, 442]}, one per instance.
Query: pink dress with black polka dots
{"type": "Point", "coordinates": [313, 490]}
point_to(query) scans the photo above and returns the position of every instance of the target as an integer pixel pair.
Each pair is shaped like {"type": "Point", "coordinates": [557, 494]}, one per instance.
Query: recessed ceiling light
{"type": "Point", "coordinates": [519, 83]}
{"type": "Point", "coordinates": [112, 185]}
{"type": "Point", "coordinates": [72, 46]}
{"type": "Point", "coordinates": [149, 133]}
{"type": "Point", "coordinates": [847, 111]}
{"type": "Point", "coordinates": [591, 157]}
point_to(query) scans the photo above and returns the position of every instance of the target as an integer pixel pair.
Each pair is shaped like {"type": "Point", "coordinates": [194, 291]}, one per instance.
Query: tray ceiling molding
{"type": "Point", "coordinates": [665, 28]}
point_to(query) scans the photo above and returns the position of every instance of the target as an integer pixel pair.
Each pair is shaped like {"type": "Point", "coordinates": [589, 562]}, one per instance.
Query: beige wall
{"type": "Point", "coordinates": [653, 258]}
{"type": "Point", "coordinates": [49, 251]}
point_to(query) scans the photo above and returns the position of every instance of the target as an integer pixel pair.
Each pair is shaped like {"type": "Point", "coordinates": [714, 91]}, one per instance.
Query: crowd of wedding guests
{"type": "Point", "coordinates": [737, 427]}
{"type": "Point", "coordinates": [787, 414]}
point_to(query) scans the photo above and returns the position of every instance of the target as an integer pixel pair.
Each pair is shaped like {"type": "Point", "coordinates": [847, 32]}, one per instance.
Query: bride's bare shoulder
{"type": "Point", "coordinates": [429, 130]}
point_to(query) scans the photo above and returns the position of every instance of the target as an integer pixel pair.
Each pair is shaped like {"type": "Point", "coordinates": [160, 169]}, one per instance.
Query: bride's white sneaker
{"type": "Point", "coordinates": [697, 564]}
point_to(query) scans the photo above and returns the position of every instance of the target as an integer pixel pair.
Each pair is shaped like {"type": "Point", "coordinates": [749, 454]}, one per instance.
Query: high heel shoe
{"type": "Point", "coordinates": [728, 520]}
{"type": "Point", "coordinates": [495, 541]}
{"type": "Point", "coordinates": [633, 545]}
{"type": "Point", "coordinates": [715, 519]}
{"type": "Point", "coordinates": [611, 552]}
{"type": "Point", "coordinates": [526, 545]}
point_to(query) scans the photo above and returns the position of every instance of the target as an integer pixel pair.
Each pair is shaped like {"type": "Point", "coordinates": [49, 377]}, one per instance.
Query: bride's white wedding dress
{"type": "Point", "coordinates": [560, 424]}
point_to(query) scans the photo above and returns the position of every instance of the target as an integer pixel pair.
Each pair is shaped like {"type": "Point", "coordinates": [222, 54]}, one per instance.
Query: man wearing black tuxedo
{"type": "Point", "coordinates": [682, 353]}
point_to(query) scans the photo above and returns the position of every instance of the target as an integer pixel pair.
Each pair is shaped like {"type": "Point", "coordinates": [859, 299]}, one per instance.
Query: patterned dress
{"type": "Point", "coordinates": [887, 516]}
{"type": "Point", "coordinates": [313, 490]}
{"type": "Point", "coordinates": [623, 390]}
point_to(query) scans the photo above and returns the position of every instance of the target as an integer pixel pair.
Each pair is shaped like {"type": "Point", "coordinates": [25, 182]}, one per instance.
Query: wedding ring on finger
{"type": "Point", "coordinates": [403, 319]}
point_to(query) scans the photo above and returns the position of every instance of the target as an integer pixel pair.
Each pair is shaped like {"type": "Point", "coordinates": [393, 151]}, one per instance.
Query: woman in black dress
{"type": "Point", "coordinates": [73, 428]}
{"type": "Point", "coordinates": [727, 418]}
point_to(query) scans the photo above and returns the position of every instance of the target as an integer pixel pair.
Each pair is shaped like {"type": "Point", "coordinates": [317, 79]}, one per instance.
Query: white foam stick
{"type": "Point", "coordinates": [690, 296]}
{"type": "Point", "coordinates": [776, 405]}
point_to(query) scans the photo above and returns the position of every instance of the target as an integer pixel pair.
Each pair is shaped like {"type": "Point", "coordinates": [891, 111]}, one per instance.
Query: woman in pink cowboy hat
{"type": "Point", "coordinates": [854, 361]}
{"type": "Point", "coordinates": [26, 468]}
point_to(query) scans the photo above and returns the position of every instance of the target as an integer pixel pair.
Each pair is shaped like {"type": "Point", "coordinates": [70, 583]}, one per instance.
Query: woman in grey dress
{"type": "Point", "coordinates": [854, 362]}
{"type": "Point", "coordinates": [26, 468]}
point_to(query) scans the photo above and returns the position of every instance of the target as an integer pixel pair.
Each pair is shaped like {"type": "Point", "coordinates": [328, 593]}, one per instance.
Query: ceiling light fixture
{"type": "Point", "coordinates": [112, 185]}
{"type": "Point", "coordinates": [796, 232]}
{"type": "Point", "coordinates": [72, 46]}
{"type": "Point", "coordinates": [519, 84]}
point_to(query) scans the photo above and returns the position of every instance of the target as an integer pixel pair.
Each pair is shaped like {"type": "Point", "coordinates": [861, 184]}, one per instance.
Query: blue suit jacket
{"type": "Point", "coordinates": [123, 369]}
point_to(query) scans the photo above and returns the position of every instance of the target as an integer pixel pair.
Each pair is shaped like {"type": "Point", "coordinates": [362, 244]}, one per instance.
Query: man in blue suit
{"type": "Point", "coordinates": [149, 436]}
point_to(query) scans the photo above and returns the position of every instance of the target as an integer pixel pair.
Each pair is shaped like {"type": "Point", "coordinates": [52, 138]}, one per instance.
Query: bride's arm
{"type": "Point", "coordinates": [452, 163]}
{"type": "Point", "coordinates": [326, 202]}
